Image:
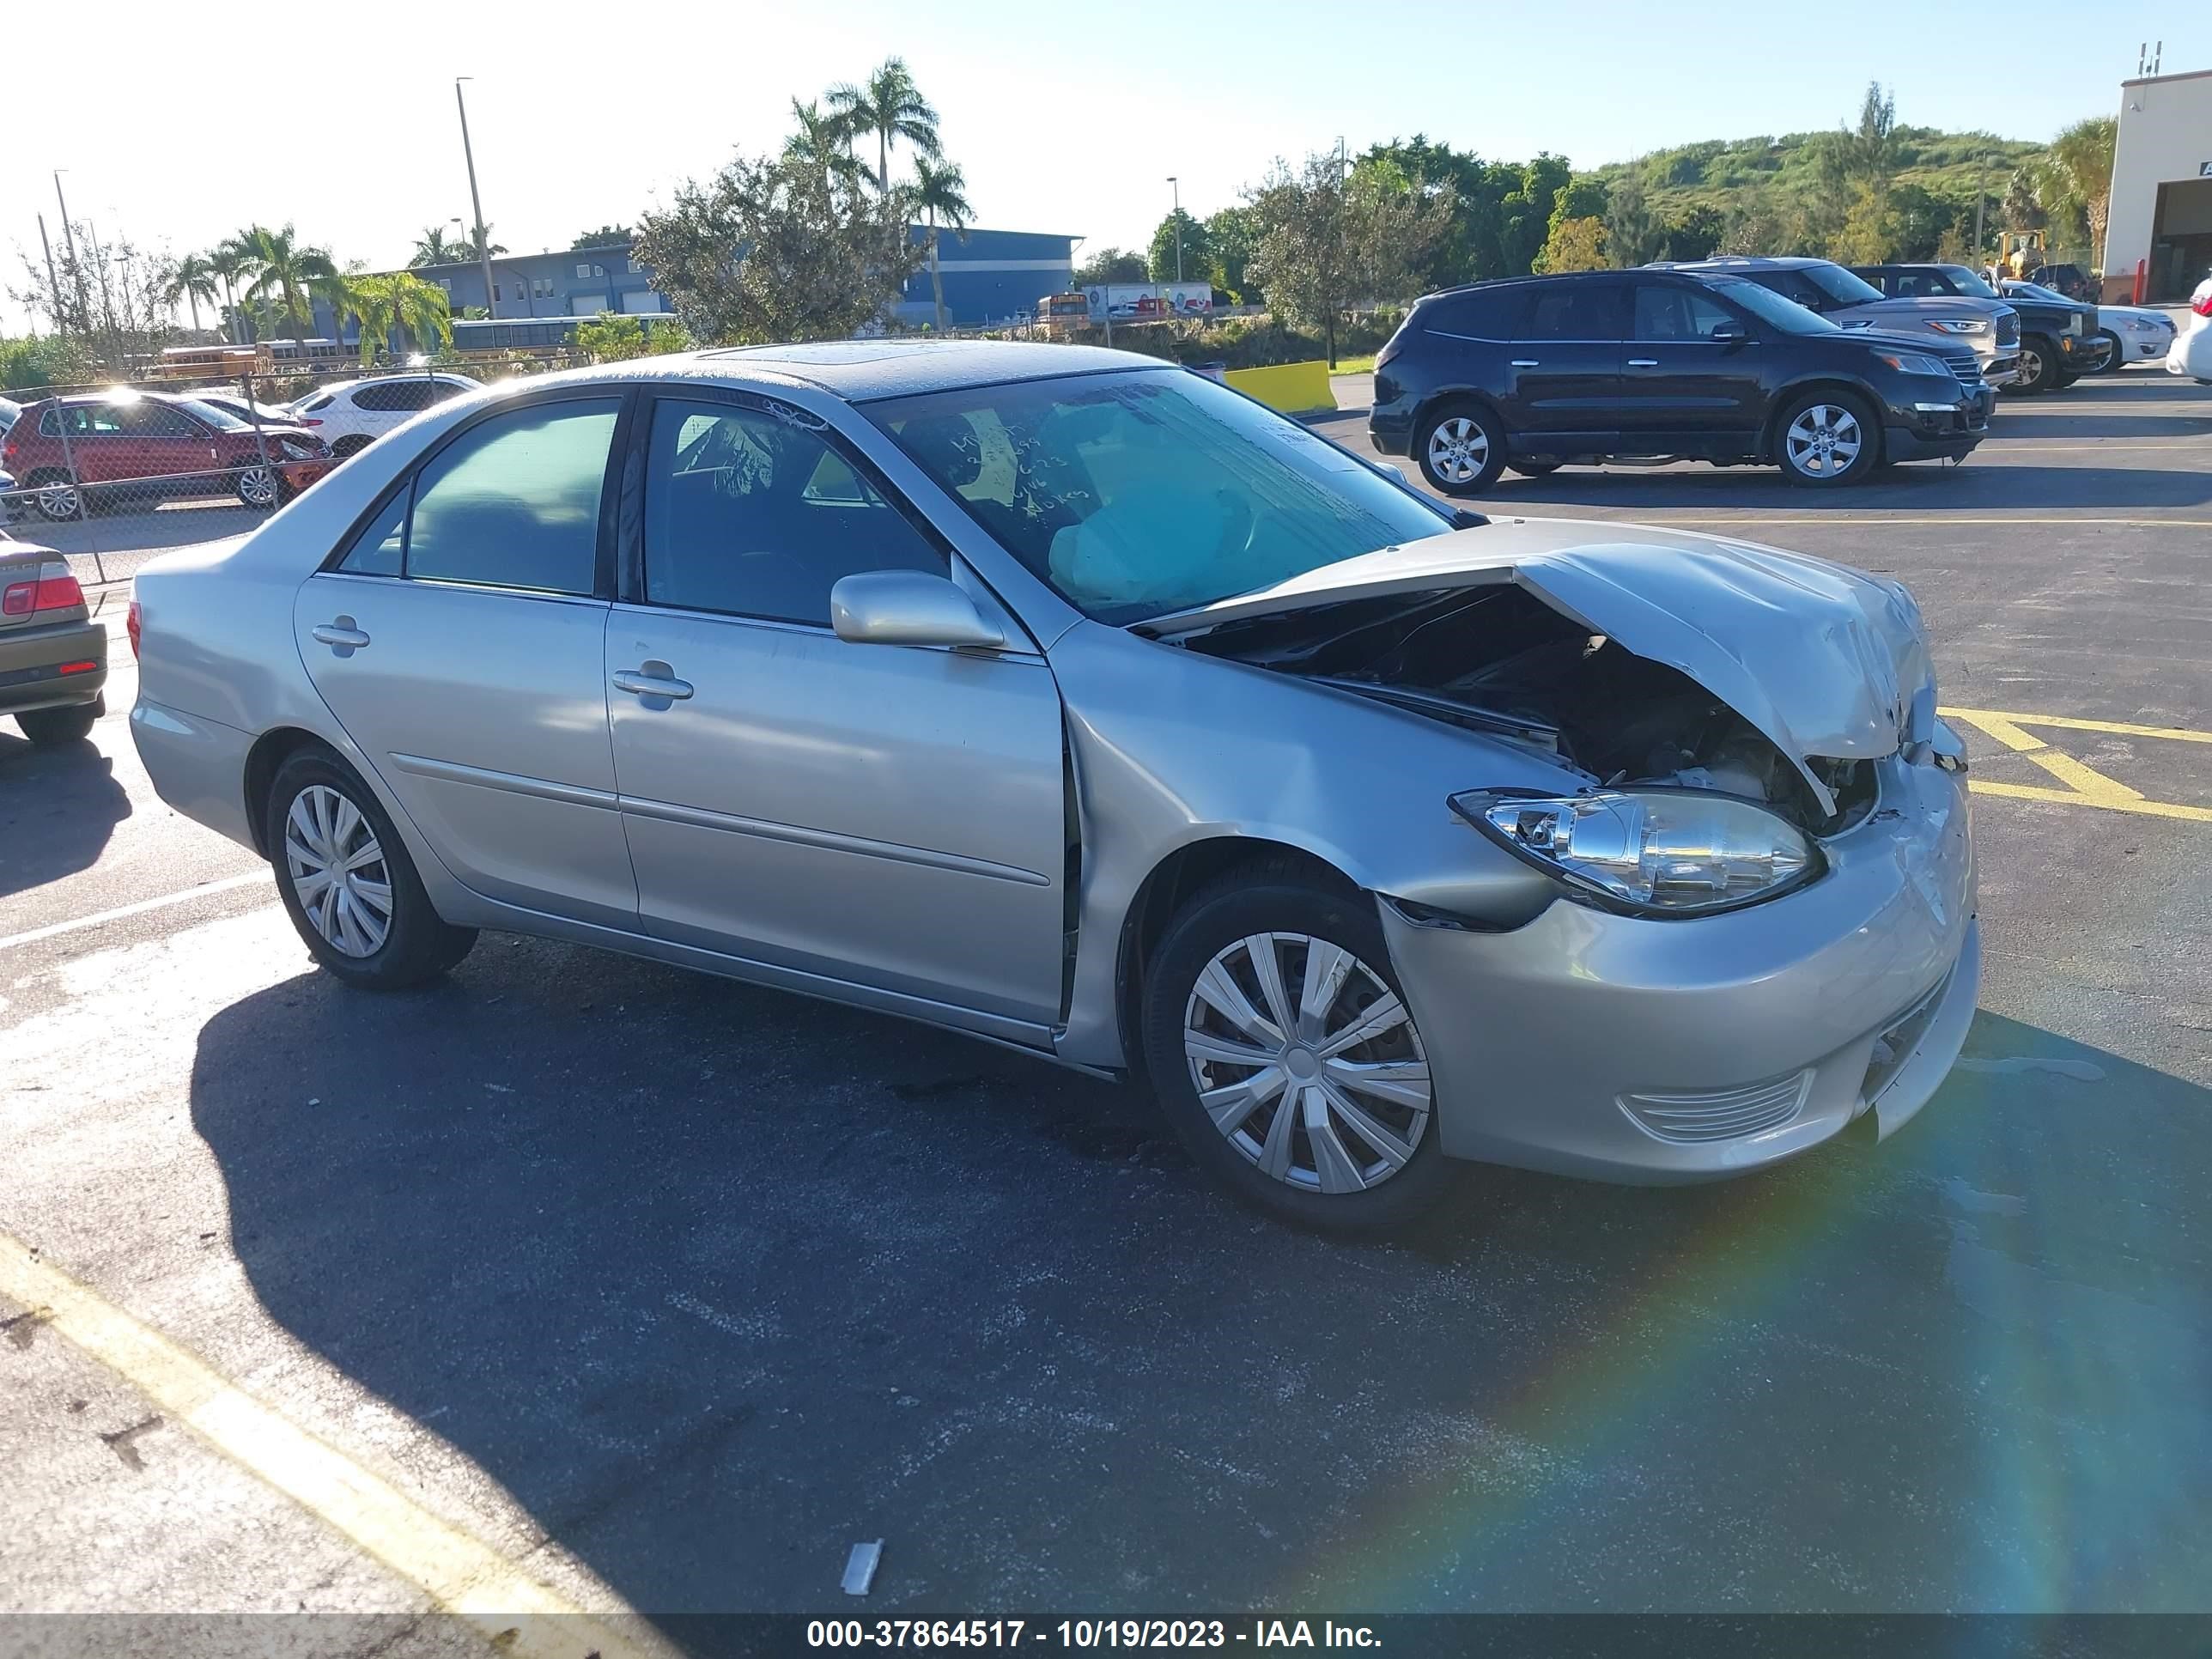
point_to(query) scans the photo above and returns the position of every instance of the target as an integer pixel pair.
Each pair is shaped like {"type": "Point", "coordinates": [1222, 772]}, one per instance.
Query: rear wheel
{"type": "Point", "coordinates": [347, 882]}
{"type": "Point", "coordinates": [258, 487]}
{"type": "Point", "coordinates": [2038, 364]}
{"type": "Point", "coordinates": [352, 444]}
{"type": "Point", "coordinates": [1278, 1039]}
{"type": "Point", "coordinates": [55, 496]}
{"type": "Point", "coordinates": [1462, 449]}
{"type": "Point", "coordinates": [47, 727]}
{"type": "Point", "coordinates": [1825, 439]}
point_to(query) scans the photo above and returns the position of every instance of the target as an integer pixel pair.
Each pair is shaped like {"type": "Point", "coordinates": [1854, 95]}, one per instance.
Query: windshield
{"type": "Point", "coordinates": [221, 419]}
{"type": "Point", "coordinates": [2037, 291]}
{"type": "Point", "coordinates": [1840, 285]}
{"type": "Point", "coordinates": [1771, 307]}
{"type": "Point", "coordinates": [1139, 493]}
{"type": "Point", "coordinates": [1968, 282]}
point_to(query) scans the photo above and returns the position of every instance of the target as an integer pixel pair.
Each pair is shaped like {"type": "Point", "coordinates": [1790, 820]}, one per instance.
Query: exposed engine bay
{"type": "Point", "coordinates": [1498, 660]}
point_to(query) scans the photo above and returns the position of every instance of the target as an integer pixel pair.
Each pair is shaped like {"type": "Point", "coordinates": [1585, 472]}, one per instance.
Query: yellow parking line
{"type": "Point", "coordinates": [2067, 722]}
{"type": "Point", "coordinates": [2090, 787]}
{"type": "Point", "coordinates": [2064, 768]}
{"type": "Point", "coordinates": [464, 1576]}
{"type": "Point", "coordinates": [2157, 809]}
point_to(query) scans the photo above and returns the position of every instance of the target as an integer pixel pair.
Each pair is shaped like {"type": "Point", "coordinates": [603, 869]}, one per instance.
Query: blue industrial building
{"type": "Point", "coordinates": [989, 277]}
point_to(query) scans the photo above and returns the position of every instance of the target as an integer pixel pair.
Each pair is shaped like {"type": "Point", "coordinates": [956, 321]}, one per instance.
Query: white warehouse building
{"type": "Point", "coordinates": [2161, 209]}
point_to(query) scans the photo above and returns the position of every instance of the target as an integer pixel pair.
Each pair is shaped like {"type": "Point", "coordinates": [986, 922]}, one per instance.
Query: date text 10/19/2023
{"type": "Point", "coordinates": [1086, 1633]}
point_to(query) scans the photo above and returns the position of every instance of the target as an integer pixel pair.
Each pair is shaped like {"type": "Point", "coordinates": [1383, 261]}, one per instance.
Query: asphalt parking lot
{"type": "Point", "coordinates": [657, 1292]}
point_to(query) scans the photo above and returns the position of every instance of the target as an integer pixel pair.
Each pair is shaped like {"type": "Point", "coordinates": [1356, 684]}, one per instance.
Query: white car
{"type": "Point", "coordinates": [2192, 352]}
{"type": "Point", "coordinates": [350, 414]}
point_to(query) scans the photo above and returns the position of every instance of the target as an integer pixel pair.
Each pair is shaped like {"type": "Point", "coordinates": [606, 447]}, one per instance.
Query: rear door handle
{"type": "Point", "coordinates": [340, 635]}
{"type": "Point", "coordinates": [1643, 363]}
{"type": "Point", "coordinates": [640, 684]}
{"type": "Point", "coordinates": [1524, 363]}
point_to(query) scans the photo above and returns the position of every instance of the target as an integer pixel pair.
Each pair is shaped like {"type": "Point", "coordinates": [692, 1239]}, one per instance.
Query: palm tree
{"type": "Point", "coordinates": [402, 301]}
{"type": "Point", "coordinates": [434, 247]}
{"type": "Point", "coordinates": [940, 192]}
{"type": "Point", "coordinates": [2073, 180]}
{"type": "Point", "coordinates": [191, 279]}
{"type": "Point", "coordinates": [288, 277]}
{"type": "Point", "coordinates": [823, 142]}
{"type": "Point", "coordinates": [226, 262]}
{"type": "Point", "coordinates": [892, 107]}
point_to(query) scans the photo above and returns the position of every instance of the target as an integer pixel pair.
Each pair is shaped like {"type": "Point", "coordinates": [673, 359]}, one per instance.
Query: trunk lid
{"type": "Point", "coordinates": [1823, 660]}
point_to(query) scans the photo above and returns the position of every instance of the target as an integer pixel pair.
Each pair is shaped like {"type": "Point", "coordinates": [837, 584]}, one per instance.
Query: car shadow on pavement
{"type": "Point", "coordinates": [715, 1282]}
{"type": "Point", "coordinates": [58, 808]}
{"type": "Point", "coordinates": [1920, 488]}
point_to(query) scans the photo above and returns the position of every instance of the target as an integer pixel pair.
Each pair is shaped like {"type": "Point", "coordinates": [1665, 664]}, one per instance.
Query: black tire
{"type": "Point", "coordinates": [1535, 469]}
{"type": "Point", "coordinates": [418, 944]}
{"type": "Point", "coordinates": [1483, 437]}
{"type": "Point", "coordinates": [52, 507]}
{"type": "Point", "coordinates": [1273, 899]}
{"type": "Point", "coordinates": [1864, 461]}
{"type": "Point", "coordinates": [50, 727]}
{"type": "Point", "coordinates": [2038, 364]}
{"type": "Point", "coordinates": [2067, 379]}
{"type": "Point", "coordinates": [2115, 357]}
{"type": "Point", "coordinates": [352, 444]}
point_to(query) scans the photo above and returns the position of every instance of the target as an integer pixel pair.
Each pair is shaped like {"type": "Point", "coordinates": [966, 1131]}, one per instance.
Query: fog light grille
{"type": "Point", "coordinates": [1721, 1114]}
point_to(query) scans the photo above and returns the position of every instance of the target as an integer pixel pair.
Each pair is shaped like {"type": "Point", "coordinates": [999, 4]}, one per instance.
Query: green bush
{"type": "Point", "coordinates": [47, 360]}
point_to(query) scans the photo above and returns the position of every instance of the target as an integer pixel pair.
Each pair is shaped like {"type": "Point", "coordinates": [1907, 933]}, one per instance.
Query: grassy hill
{"type": "Point", "coordinates": [1727, 174]}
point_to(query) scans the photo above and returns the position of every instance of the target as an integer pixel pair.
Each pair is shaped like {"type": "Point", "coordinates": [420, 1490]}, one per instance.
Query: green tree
{"type": "Point", "coordinates": [1111, 265]}
{"type": "Point", "coordinates": [770, 249]}
{"type": "Point", "coordinates": [612, 338]}
{"type": "Point", "coordinates": [1581, 197]}
{"type": "Point", "coordinates": [48, 360]}
{"type": "Point", "coordinates": [434, 247]}
{"type": "Point", "coordinates": [889, 105]}
{"type": "Point", "coordinates": [1573, 245]}
{"type": "Point", "coordinates": [604, 236]}
{"type": "Point", "coordinates": [1871, 150]}
{"type": "Point", "coordinates": [940, 192]}
{"type": "Point", "coordinates": [1232, 234]}
{"type": "Point", "coordinates": [1197, 251]}
{"type": "Point", "coordinates": [1869, 235]}
{"type": "Point", "coordinates": [400, 300]}
{"type": "Point", "coordinates": [2072, 182]}
{"type": "Point", "coordinates": [1328, 239]}
{"type": "Point", "coordinates": [191, 279]}
{"type": "Point", "coordinates": [821, 140]}
{"type": "Point", "coordinates": [1633, 234]}
{"type": "Point", "coordinates": [1696, 233]}
{"type": "Point", "coordinates": [227, 261]}
{"type": "Point", "coordinates": [286, 276]}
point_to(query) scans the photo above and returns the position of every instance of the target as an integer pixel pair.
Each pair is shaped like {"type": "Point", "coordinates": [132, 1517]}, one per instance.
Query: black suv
{"type": "Point", "coordinates": [1533, 372]}
{"type": "Point", "coordinates": [2060, 340]}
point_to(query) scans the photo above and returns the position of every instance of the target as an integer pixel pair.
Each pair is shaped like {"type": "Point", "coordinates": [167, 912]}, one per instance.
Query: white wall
{"type": "Point", "coordinates": [2166, 134]}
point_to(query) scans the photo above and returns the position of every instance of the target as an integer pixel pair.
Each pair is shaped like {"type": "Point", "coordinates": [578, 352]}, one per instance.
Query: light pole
{"type": "Point", "coordinates": [475, 203]}
{"type": "Point", "coordinates": [1981, 196]}
{"type": "Point", "coordinates": [69, 243]}
{"type": "Point", "coordinates": [1177, 189]}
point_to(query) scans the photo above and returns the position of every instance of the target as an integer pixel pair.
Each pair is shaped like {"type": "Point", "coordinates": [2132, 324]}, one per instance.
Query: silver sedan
{"type": "Point", "coordinates": [1084, 705]}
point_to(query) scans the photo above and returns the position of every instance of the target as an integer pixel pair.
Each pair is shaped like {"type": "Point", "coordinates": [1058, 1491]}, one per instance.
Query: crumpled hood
{"type": "Point", "coordinates": [1823, 659]}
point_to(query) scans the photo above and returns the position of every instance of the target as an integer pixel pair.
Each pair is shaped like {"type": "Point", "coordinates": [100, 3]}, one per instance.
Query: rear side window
{"type": "Point", "coordinates": [318, 404]}
{"type": "Point", "coordinates": [1481, 314]}
{"type": "Point", "coordinates": [380, 549]}
{"type": "Point", "coordinates": [514, 502]}
{"type": "Point", "coordinates": [752, 516]}
{"type": "Point", "coordinates": [392, 396]}
{"type": "Point", "coordinates": [1575, 311]}
{"type": "Point", "coordinates": [1790, 285]}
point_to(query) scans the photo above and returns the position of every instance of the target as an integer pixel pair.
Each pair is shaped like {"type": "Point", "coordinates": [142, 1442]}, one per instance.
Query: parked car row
{"type": "Point", "coordinates": [73, 452]}
{"type": "Point", "coordinates": [1825, 371]}
{"type": "Point", "coordinates": [2192, 354]}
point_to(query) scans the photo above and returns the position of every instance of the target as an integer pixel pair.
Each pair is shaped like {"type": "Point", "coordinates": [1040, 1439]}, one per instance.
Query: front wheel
{"type": "Point", "coordinates": [347, 882]}
{"type": "Point", "coordinates": [2038, 364]}
{"type": "Point", "coordinates": [2115, 357]}
{"type": "Point", "coordinates": [259, 486]}
{"type": "Point", "coordinates": [1462, 449]}
{"type": "Point", "coordinates": [1281, 1045]}
{"type": "Point", "coordinates": [1825, 438]}
{"type": "Point", "coordinates": [55, 496]}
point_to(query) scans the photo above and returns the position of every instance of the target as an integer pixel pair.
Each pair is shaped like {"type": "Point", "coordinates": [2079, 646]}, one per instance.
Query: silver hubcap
{"type": "Point", "coordinates": [57, 501]}
{"type": "Point", "coordinates": [1458, 450]}
{"type": "Point", "coordinates": [1825, 441]}
{"type": "Point", "coordinates": [1308, 1062]}
{"type": "Point", "coordinates": [2030, 363]}
{"type": "Point", "coordinates": [337, 871]}
{"type": "Point", "coordinates": [256, 484]}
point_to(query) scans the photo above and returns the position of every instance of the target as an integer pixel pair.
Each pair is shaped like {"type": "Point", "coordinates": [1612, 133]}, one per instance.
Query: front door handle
{"type": "Point", "coordinates": [340, 634]}
{"type": "Point", "coordinates": [1524, 363]}
{"type": "Point", "coordinates": [1643, 363]}
{"type": "Point", "coordinates": [653, 680]}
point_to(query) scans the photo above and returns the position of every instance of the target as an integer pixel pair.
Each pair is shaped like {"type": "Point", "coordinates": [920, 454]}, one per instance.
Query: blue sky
{"type": "Point", "coordinates": [1066, 117]}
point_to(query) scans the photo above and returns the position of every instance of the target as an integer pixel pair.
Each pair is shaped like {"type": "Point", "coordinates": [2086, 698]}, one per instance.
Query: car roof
{"type": "Point", "coordinates": [1741, 262]}
{"type": "Point", "coordinates": [864, 371]}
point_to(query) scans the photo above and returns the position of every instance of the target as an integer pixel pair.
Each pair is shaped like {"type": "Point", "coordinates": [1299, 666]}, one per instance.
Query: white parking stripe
{"type": "Point", "coordinates": [99, 918]}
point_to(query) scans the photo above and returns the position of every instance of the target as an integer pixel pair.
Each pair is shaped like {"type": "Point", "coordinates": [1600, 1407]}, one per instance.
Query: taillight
{"type": "Point", "coordinates": [132, 626]}
{"type": "Point", "coordinates": [2201, 304]}
{"type": "Point", "coordinates": [56, 590]}
{"type": "Point", "coordinates": [18, 599]}
{"type": "Point", "coordinates": [311, 420]}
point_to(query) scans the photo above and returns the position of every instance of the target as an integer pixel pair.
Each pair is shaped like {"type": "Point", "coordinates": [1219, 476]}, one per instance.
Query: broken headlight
{"type": "Point", "coordinates": [1654, 852]}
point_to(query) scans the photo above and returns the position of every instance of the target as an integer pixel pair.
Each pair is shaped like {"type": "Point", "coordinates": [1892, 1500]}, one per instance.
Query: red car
{"type": "Point", "coordinates": [130, 447]}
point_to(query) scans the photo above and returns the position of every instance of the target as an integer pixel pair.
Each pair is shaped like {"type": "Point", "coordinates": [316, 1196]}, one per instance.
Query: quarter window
{"type": "Point", "coordinates": [749, 516]}
{"type": "Point", "coordinates": [1574, 311]}
{"type": "Point", "coordinates": [515, 502]}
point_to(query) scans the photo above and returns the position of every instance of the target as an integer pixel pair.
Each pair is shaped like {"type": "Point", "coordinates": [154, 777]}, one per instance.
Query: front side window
{"type": "Point", "coordinates": [1137, 493]}
{"type": "Point", "coordinates": [1774, 309]}
{"type": "Point", "coordinates": [1665, 312]}
{"type": "Point", "coordinates": [514, 502]}
{"type": "Point", "coordinates": [752, 516]}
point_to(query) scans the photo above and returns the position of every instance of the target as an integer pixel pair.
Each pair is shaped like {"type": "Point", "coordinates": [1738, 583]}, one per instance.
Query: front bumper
{"type": "Point", "coordinates": [1941, 420]}
{"type": "Point", "coordinates": [1631, 1050]}
{"type": "Point", "coordinates": [48, 667]}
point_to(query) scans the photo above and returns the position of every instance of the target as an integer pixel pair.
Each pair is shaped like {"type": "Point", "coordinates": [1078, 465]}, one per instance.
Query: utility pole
{"type": "Point", "coordinates": [1981, 200]}
{"type": "Point", "coordinates": [1178, 224]}
{"type": "Point", "coordinates": [53, 282]}
{"type": "Point", "coordinates": [68, 242]}
{"type": "Point", "coordinates": [475, 203]}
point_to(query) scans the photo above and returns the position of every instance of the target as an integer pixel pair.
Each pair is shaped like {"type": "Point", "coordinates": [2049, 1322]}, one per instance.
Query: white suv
{"type": "Point", "coordinates": [349, 415]}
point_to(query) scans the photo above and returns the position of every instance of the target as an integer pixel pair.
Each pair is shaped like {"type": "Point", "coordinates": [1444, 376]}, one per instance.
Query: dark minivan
{"type": "Point", "coordinates": [1533, 373]}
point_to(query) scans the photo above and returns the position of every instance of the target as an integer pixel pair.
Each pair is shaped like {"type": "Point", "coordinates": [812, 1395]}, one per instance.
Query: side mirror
{"type": "Point", "coordinates": [908, 607]}
{"type": "Point", "coordinates": [1728, 334]}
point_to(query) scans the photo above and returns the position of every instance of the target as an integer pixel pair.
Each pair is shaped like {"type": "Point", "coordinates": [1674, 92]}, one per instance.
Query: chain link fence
{"type": "Point", "coordinates": [112, 475]}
